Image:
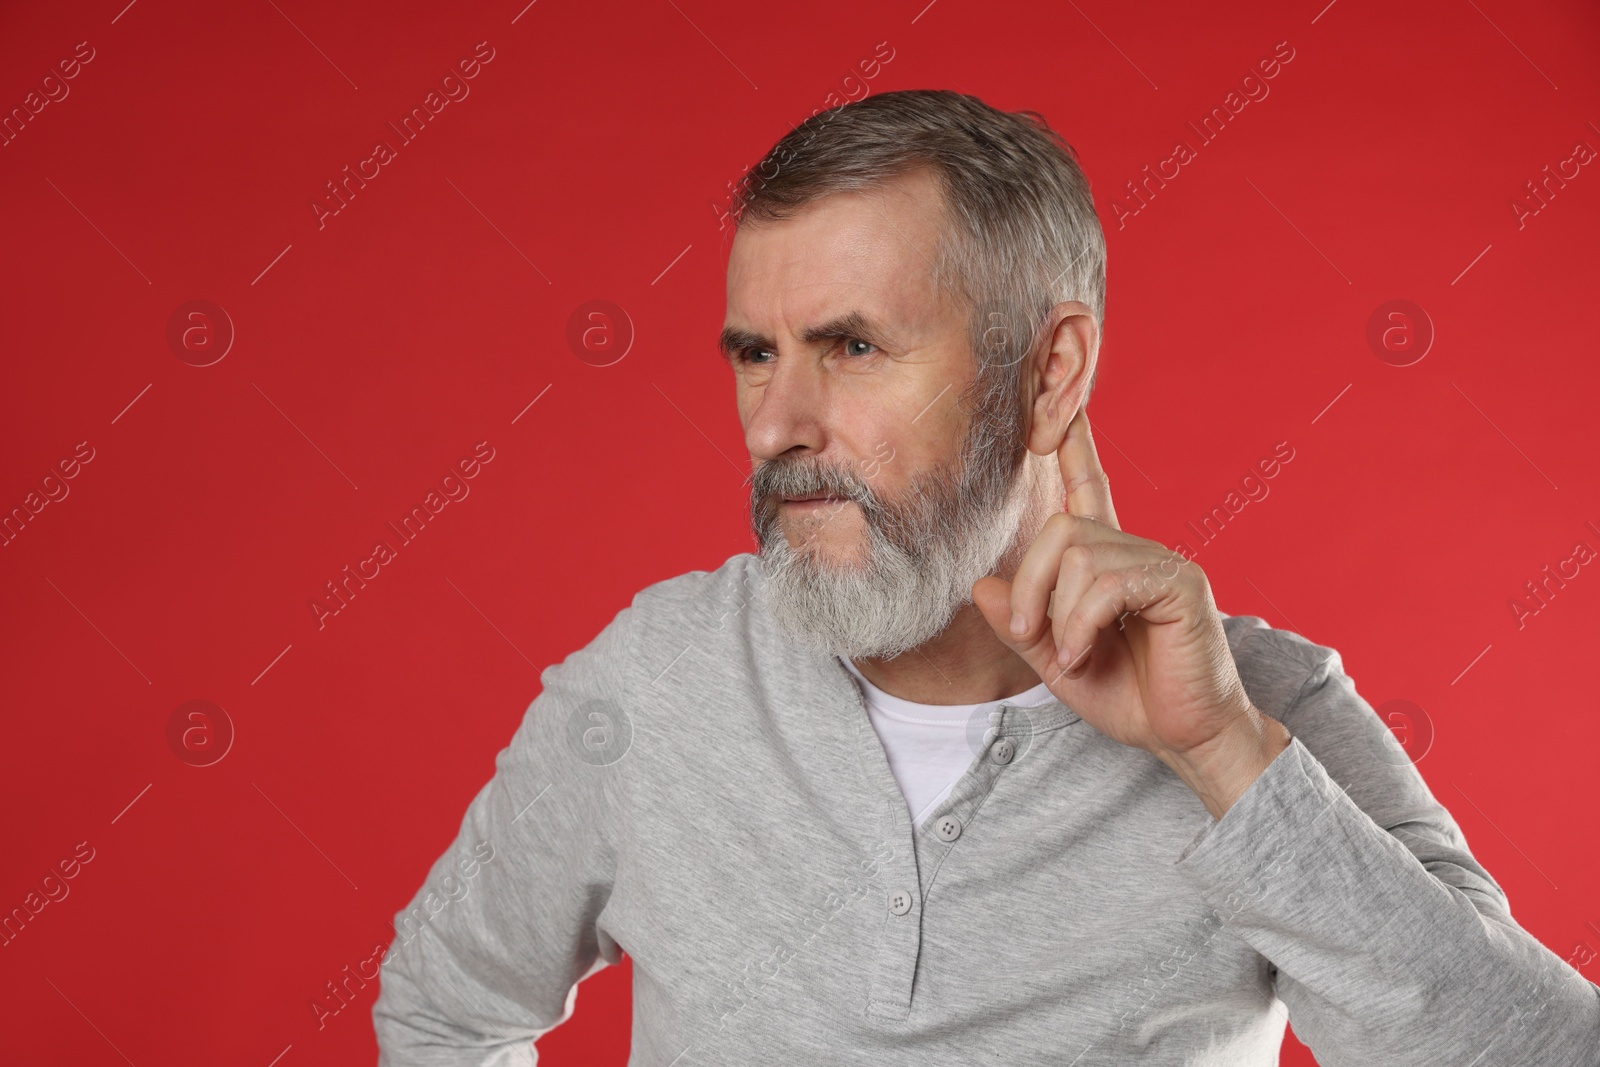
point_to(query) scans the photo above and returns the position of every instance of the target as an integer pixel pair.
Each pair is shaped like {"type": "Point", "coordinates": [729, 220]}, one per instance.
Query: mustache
{"type": "Point", "coordinates": [775, 479]}
{"type": "Point", "coordinates": [779, 478]}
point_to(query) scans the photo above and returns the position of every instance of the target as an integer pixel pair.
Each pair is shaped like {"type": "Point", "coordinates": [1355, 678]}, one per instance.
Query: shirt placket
{"type": "Point", "coordinates": [908, 875]}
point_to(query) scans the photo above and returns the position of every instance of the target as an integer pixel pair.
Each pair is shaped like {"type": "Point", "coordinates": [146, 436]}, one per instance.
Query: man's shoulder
{"type": "Point", "coordinates": [705, 632]}
{"type": "Point", "coordinates": [698, 603]}
{"type": "Point", "coordinates": [733, 581]}
{"type": "Point", "coordinates": [1274, 664]}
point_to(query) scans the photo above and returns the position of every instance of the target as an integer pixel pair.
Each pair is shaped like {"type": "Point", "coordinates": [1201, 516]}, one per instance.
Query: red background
{"type": "Point", "coordinates": [588, 162]}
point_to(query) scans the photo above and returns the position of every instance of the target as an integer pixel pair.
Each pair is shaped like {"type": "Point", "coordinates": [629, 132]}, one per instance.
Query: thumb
{"type": "Point", "coordinates": [992, 596]}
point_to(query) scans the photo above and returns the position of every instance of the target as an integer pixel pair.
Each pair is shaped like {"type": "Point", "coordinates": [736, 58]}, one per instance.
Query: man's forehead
{"type": "Point", "coordinates": [862, 258]}
{"type": "Point", "coordinates": [799, 296]}
{"type": "Point", "coordinates": [811, 266]}
{"type": "Point", "coordinates": [858, 237]}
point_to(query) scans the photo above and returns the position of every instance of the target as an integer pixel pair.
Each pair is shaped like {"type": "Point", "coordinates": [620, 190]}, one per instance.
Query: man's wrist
{"type": "Point", "coordinates": [1221, 770]}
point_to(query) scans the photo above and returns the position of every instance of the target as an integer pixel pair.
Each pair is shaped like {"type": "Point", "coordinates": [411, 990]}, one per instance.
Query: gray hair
{"type": "Point", "coordinates": [1021, 235]}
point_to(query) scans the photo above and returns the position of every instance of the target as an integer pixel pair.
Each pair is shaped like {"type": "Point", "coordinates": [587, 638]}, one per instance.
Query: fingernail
{"type": "Point", "coordinates": [1064, 657]}
{"type": "Point", "coordinates": [1019, 625]}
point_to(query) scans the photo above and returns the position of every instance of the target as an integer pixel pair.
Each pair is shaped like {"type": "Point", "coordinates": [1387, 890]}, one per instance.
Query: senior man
{"type": "Point", "coordinates": [954, 770]}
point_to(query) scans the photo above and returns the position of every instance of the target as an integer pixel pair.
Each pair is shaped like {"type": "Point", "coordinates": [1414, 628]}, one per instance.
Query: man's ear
{"type": "Point", "coordinates": [1059, 373]}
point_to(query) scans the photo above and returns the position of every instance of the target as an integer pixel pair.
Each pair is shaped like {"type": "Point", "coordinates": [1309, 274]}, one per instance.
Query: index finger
{"type": "Point", "coordinates": [1088, 490]}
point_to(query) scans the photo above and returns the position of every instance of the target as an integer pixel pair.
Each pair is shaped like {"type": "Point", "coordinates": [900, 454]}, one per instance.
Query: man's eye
{"type": "Point", "coordinates": [754, 355]}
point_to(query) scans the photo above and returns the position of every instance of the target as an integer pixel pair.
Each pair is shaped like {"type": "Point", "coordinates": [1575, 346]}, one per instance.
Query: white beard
{"type": "Point", "coordinates": [906, 589]}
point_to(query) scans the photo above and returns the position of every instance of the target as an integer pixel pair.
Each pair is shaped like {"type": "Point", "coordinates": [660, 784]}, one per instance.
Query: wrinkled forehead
{"type": "Point", "coordinates": [871, 250]}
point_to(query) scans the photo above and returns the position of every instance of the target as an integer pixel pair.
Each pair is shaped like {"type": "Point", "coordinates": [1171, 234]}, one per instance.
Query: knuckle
{"type": "Point", "coordinates": [1077, 558]}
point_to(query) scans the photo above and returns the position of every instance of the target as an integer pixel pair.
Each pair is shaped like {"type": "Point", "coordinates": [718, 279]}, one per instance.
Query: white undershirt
{"type": "Point", "coordinates": [927, 744]}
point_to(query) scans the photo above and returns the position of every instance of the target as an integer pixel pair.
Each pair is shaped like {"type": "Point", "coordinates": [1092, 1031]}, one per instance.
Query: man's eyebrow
{"type": "Point", "coordinates": [851, 324]}
{"type": "Point", "coordinates": [734, 339]}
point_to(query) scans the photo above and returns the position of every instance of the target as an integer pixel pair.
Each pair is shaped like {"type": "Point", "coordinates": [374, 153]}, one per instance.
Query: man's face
{"type": "Point", "coordinates": [848, 363]}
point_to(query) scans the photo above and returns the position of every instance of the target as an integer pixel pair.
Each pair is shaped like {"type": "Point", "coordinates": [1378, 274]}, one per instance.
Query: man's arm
{"type": "Point", "coordinates": [487, 955]}
{"type": "Point", "coordinates": [1391, 943]}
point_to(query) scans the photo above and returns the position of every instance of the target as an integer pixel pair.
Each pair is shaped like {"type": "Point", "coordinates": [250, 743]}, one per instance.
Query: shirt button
{"type": "Point", "coordinates": [900, 902]}
{"type": "Point", "coordinates": [948, 828]}
{"type": "Point", "coordinates": [1003, 751]}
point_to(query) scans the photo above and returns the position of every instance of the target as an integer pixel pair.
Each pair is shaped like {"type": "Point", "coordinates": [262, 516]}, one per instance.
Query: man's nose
{"type": "Point", "coordinates": [790, 411]}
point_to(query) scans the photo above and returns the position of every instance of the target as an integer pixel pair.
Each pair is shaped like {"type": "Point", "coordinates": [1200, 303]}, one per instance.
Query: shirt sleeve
{"type": "Point", "coordinates": [488, 954]}
{"type": "Point", "coordinates": [1391, 944]}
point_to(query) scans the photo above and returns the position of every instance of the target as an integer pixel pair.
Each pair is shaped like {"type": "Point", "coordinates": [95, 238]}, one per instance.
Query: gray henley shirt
{"type": "Point", "coordinates": [701, 793]}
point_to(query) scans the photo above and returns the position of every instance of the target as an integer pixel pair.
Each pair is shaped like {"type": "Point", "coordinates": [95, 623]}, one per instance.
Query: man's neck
{"type": "Point", "coordinates": [966, 664]}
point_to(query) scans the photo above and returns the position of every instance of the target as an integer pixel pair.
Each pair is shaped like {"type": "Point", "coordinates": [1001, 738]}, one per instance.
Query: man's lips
{"type": "Point", "coordinates": [814, 498]}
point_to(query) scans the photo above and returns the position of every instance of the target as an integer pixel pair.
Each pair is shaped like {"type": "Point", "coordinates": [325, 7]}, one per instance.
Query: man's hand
{"type": "Point", "coordinates": [1125, 632]}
